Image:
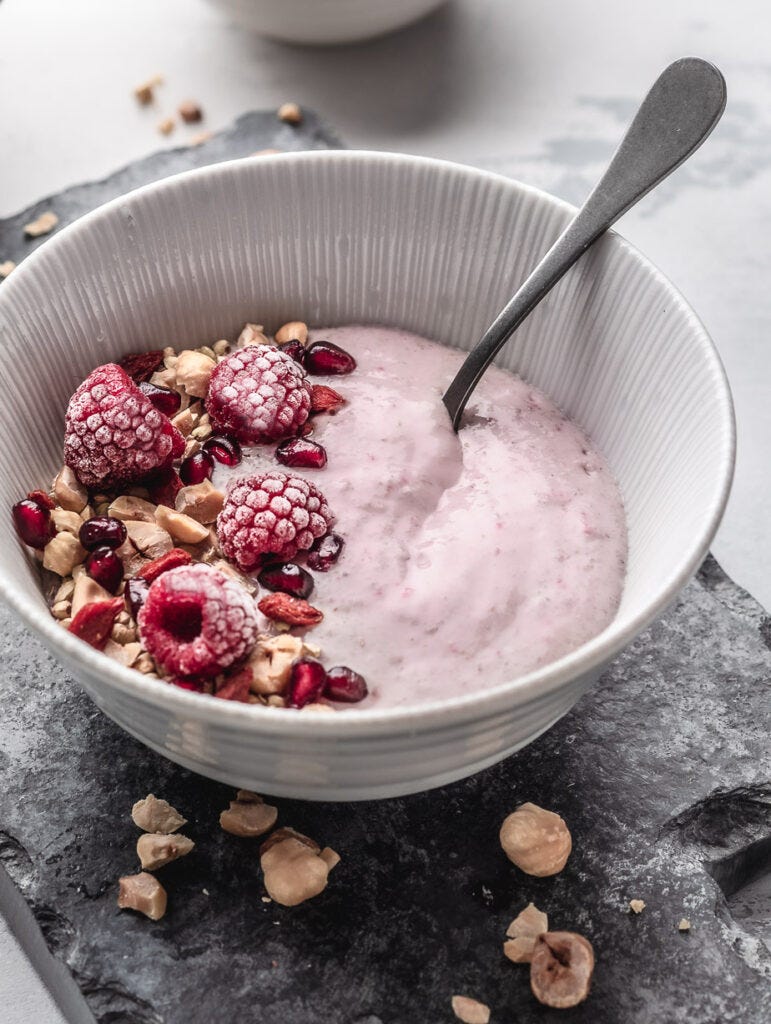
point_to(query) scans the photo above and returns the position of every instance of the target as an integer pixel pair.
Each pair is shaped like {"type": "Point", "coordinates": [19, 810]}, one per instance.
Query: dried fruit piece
{"type": "Point", "coordinates": [300, 453]}
{"type": "Point", "coordinates": [105, 567]}
{"type": "Point", "coordinates": [324, 357]}
{"type": "Point", "coordinates": [325, 399]}
{"type": "Point", "coordinates": [154, 815]}
{"type": "Point", "coordinates": [522, 933]}
{"type": "Point", "coordinates": [294, 611]}
{"type": "Point", "coordinates": [171, 560]}
{"type": "Point", "coordinates": [140, 366]}
{"type": "Point", "coordinates": [197, 468]}
{"type": "Point", "coordinates": [536, 840]}
{"type": "Point", "coordinates": [33, 523]}
{"type": "Point", "coordinates": [156, 849]}
{"type": "Point", "coordinates": [249, 818]}
{"type": "Point", "coordinates": [325, 552]}
{"type": "Point", "coordinates": [164, 399]}
{"type": "Point", "coordinates": [136, 594]}
{"type": "Point", "coordinates": [94, 622]}
{"type": "Point", "coordinates": [144, 893]}
{"type": "Point", "coordinates": [561, 969]}
{"type": "Point", "coordinates": [287, 577]}
{"type": "Point", "coordinates": [41, 225]}
{"type": "Point", "coordinates": [307, 680]}
{"type": "Point", "coordinates": [470, 1011]}
{"type": "Point", "coordinates": [345, 685]}
{"type": "Point", "coordinates": [102, 531]}
{"type": "Point", "coordinates": [225, 449]}
{"type": "Point", "coordinates": [235, 686]}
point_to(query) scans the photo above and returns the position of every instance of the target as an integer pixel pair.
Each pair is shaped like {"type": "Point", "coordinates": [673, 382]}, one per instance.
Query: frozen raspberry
{"type": "Point", "coordinates": [271, 514]}
{"type": "Point", "coordinates": [114, 434]}
{"type": "Point", "coordinates": [258, 394]}
{"type": "Point", "coordinates": [196, 621]}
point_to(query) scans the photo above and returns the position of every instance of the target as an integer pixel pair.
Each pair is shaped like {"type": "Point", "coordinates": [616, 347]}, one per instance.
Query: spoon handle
{"type": "Point", "coordinates": [681, 109]}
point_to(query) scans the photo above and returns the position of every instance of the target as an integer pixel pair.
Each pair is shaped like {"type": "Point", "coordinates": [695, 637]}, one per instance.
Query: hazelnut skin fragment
{"type": "Point", "coordinates": [158, 816]}
{"type": "Point", "coordinates": [561, 969]}
{"type": "Point", "coordinates": [143, 893]}
{"type": "Point", "coordinates": [536, 840]}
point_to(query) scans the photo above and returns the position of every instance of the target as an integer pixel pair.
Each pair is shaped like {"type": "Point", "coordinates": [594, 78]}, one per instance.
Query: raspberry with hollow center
{"type": "Point", "coordinates": [196, 621]}
{"type": "Point", "coordinates": [271, 514]}
{"type": "Point", "coordinates": [114, 434]}
{"type": "Point", "coordinates": [258, 394]}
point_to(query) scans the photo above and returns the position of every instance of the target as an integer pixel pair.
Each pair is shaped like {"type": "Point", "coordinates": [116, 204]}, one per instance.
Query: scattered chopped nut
{"type": "Point", "coordinates": [637, 906]}
{"type": "Point", "coordinates": [252, 334]}
{"type": "Point", "coordinates": [166, 126]}
{"type": "Point", "coordinates": [193, 371]}
{"type": "Point", "coordinates": [685, 925]}
{"type": "Point", "coordinates": [151, 539]}
{"type": "Point", "coordinates": [561, 969]}
{"type": "Point", "coordinates": [248, 817]}
{"type": "Point", "coordinates": [288, 833]}
{"type": "Point", "coordinates": [181, 527]}
{"type": "Point", "coordinates": [66, 522]}
{"type": "Point", "coordinates": [130, 507]}
{"type": "Point", "coordinates": [330, 857]}
{"type": "Point", "coordinates": [65, 591]}
{"type": "Point", "coordinates": [6, 268]}
{"type": "Point", "coordinates": [144, 893]}
{"type": "Point", "coordinates": [86, 591]}
{"type": "Point", "coordinates": [293, 870]}
{"type": "Point", "coordinates": [60, 609]}
{"type": "Point", "coordinates": [145, 92]}
{"type": "Point", "coordinates": [69, 492]}
{"type": "Point", "coordinates": [154, 815]}
{"type": "Point", "coordinates": [295, 330]}
{"type": "Point", "coordinates": [183, 421]}
{"type": "Point", "coordinates": [154, 850]}
{"type": "Point", "coordinates": [470, 1011]}
{"type": "Point", "coordinates": [190, 112]}
{"type": "Point", "coordinates": [536, 840]}
{"type": "Point", "coordinates": [42, 225]}
{"type": "Point", "coordinates": [124, 635]}
{"type": "Point", "coordinates": [290, 113]}
{"type": "Point", "coordinates": [124, 654]}
{"type": "Point", "coordinates": [62, 553]}
{"type": "Point", "coordinates": [202, 502]}
{"type": "Point", "coordinates": [271, 662]}
{"type": "Point", "coordinates": [522, 933]}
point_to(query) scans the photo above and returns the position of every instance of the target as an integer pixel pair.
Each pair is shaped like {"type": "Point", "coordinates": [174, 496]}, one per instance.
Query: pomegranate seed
{"type": "Point", "coordinates": [288, 578]}
{"type": "Point", "coordinates": [301, 454]}
{"type": "Point", "coordinates": [136, 592]}
{"type": "Point", "coordinates": [104, 566]}
{"type": "Point", "coordinates": [102, 531]}
{"type": "Point", "coordinates": [326, 357]}
{"type": "Point", "coordinates": [306, 682]}
{"type": "Point", "coordinates": [33, 523]}
{"type": "Point", "coordinates": [325, 552]}
{"type": "Point", "coordinates": [197, 468]}
{"type": "Point", "coordinates": [164, 399]}
{"type": "Point", "coordinates": [295, 349]}
{"type": "Point", "coordinates": [345, 685]}
{"type": "Point", "coordinates": [224, 449]}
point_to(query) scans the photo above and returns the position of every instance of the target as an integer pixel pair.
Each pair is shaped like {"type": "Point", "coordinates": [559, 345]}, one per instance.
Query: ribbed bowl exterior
{"type": "Point", "coordinates": [349, 237]}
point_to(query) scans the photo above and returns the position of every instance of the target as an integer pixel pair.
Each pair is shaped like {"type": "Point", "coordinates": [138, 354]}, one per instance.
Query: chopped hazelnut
{"type": "Point", "coordinates": [249, 817]}
{"type": "Point", "coordinates": [522, 933]}
{"type": "Point", "coordinates": [154, 850]}
{"type": "Point", "coordinates": [124, 634]}
{"type": "Point", "coordinates": [130, 507]}
{"type": "Point", "coordinates": [290, 113]}
{"type": "Point", "coordinates": [193, 371]}
{"type": "Point", "coordinates": [6, 268]}
{"type": "Point", "coordinates": [183, 421]}
{"type": "Point", "coordinates": [202, 502]}
{"type": "Point", "coordinates": [62, 553]}
{"type": "Point", "coordinates": [60, 609]}
{"type": "Point", "coordinates": [181, 527]}
{"type": "Point", "coordinates": [151, 539]}
{"type": "Point", "coordinates": [66, 522]}
{"type": "Point", "coordinates": [470, 1011]}
{"type": "Point", "coordinates": [561, 969]}
{"type": "Point", "coordinates": [684, 925]}
{"type": "Point", "coordinates": [190, 112]}
{"type": "Point", "coordinates": [65, 591]}
{"type": "Point", "coordinates": [293, 871]}
{"type": "Point", "coordinates": [637, 906]}
{"type": "Point", "coordinates": [124, 654]}
{"type": "Point", "coordinates": [330, 857]}
{"type": "Point", "coordinates": [144, 893]}
{"type": "Point", "coordinates": [154, 815]}
{"type": "Point", "coordinates": [166, 126]}
{"type": "Point", "coordinates": [69, 492]}
{"type": "Point", "coordinates": [221, 347]}
{"type": "Point", "coordinates": [42, 225]}
{"type": "Point", "coordinates": [86, 591]}
{"type": "Point", "coordinates": [271, 662]}
{"type": "Point", "coordinates": [288, 833]}
{"type": "Point", "coordinates": [144, 93]}
{"type": "Point", "coordinates": [252, 334]}
{"type": "Point", "coordinates": [536, 840]}
{"type": "Point", "coordinates": [295, 330]}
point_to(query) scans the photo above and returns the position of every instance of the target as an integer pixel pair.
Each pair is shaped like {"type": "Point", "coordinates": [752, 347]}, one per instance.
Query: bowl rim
{"type": "Point", "coordinates": [435, 714]}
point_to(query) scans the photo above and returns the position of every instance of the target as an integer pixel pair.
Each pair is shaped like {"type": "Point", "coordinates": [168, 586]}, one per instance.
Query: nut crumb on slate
{"type": "Point", "coordinates": [144, 893]}
{"type": "Point", "coordinates": [154, 815]}
{"type": "Point", "coordinates": [637, 906]}
{"type": "Point", "coordinates": [470, 1011]}
{"type": "Point", "coordinates": [248, 816]}
{"type": "Point", "coordinates": [293, 867]}
{"type": "Point", "coordinates": [684, 925]}
{"type": "Point", "coordinates": [155, 849]}
{"type": "Point", "coordinates": [522, 933]}
{"type": "Point", "coordinates": [41, 225]}
{"type": "Point", "coordinates": [290, 113]}
{"type": "Point", "coordinates": [190, 111]}
{"type": "Point", "coordinates": [6, 267]}
{"type": "Point", "coordinates": [536, 840]}
{"type": "Point", "coordinates": [561, 969]}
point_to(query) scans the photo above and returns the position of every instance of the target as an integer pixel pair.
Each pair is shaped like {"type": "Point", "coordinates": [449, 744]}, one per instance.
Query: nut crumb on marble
{"type": "Point", "coordinates": [470, 1011]}
{"type": "Point", "coordinates": [154, 815]}
{"type": "Point", "coordinates": [684, 925]}
{"type": "Point", "coordinates": [41, 225]}
{"type": "Point", "coordinates": [537, 841]}
{"type": "Point", "coordinates": [156, 849]}
{"type": "Point", "coordinates": [144, 893]}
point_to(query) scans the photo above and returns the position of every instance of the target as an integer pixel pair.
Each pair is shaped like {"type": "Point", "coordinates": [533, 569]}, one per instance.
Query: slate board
{"type": "Point", "coordinates": [663, 772]}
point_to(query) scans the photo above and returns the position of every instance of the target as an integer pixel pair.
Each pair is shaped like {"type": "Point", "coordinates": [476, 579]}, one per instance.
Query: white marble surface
{"type": "Point", "coordinates": [536, 89]}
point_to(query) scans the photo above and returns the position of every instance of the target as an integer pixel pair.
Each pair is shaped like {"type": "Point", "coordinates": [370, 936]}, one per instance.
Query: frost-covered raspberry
{"type": "Point", "coordinates": [271, 513]}
{"type": "Point", "coordinates": [196, 621]}
{"type": "Point", "coordinates": [258, 394]}
{"type": "Point", "coordinates": [113, 433]}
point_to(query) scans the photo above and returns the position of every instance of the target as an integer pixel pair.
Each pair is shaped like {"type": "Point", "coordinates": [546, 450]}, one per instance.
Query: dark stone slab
{"type": "Point", "coordinates": [663, 772]}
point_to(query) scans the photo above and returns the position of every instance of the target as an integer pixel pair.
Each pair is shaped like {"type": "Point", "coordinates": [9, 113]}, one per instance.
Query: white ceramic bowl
{"type": "Point", "coordinates": [325, 22]}
{"type": "Point", "coordinates": [337, 237]}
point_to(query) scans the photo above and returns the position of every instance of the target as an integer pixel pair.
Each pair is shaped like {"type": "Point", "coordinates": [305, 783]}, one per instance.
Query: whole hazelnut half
{"type": "Point", "coordinates": [536, 840]}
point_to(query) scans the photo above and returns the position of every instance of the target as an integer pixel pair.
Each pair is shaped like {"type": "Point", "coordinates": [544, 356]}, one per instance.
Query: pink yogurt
{"type": "Point", "coordinates": [470, 558]}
